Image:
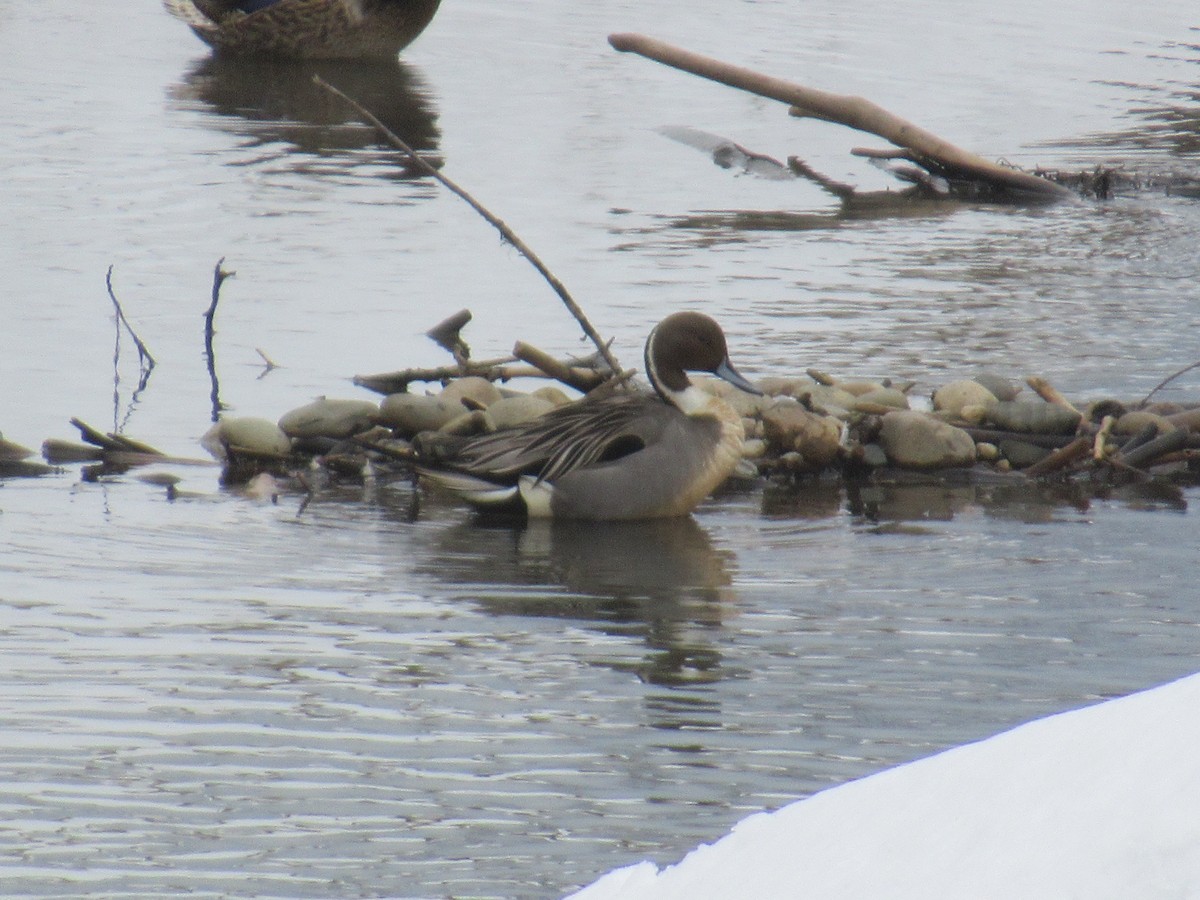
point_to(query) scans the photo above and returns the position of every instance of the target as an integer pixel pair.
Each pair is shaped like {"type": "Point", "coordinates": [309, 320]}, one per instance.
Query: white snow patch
{"type": "Point", "coordinates": [1102, 803]}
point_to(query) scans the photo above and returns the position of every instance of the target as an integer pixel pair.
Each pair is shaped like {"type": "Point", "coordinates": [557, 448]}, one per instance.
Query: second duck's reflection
{"type": "Point", "coordinates": [276, 101]}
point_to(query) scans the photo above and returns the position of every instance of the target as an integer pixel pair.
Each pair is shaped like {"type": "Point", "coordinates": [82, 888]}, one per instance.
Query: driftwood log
{"type": "Point", "coordinates": [938, 156]}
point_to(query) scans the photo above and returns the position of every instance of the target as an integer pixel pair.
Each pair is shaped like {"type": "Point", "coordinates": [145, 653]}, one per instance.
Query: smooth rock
{"type": "Point", "coordinates": [987, 452]}
{"type": "Point", "coordinates": [475, 421]}
{"type": "Point", "coordinates": [247, 433]}
{"type": "Point", "coordinates": [1021, 455]}
{"type": "Point", "coordinates": [880, 400]}
{"type": "Point", "coordinates": [744, 404]}
{"type": "Point", "coordinates": [472, 392]}
{"type": "Point", "coordinates": [779, 386]}
{"type": "Point", "coordinates": [23, 468]}
{"type": "Point", "coordinates": [789, 427]}
{"type": "Point", "coordinates": [1033, 417]}
{"type": "Point", "coordinates": [1187, 418]}
{"type": "Point", "coordinates": [510, 412]}
{"type": "Point", "coordinates": [745, 470]}
{"type": "Point", "coordinates": [914, 440]}
{"type": "Point", "coordinates": [1134, 422]}
{"type": "Point", "coordinates": [874, 456]}
{"type": "Point", "coordinates": [754, 448]}
{"type": "Point", "coordinates": [10, 452]}
{"type": "Point", "coordinates": [329, 418]}
{"type": "Point", "coordinates": [556, 396]}
{"type": "Point", "coordinates": [859, 388]}
{"type": "Point", "coordinates": [410, 414]}
{"type": "Point", "coordinates": [974, 413]}
{"type": "Point", "coordinates": [831, 401]}
{"type": "Point", "coordinates": [956, 396]}
{"type": "Point", "coordinates": [159, 479]}
{"type": "Point", "coordinates": [1002, 388]}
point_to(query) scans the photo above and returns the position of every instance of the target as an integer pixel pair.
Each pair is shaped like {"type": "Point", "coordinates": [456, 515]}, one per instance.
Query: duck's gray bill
{"type": "Point", "coordinates": [733, 376]}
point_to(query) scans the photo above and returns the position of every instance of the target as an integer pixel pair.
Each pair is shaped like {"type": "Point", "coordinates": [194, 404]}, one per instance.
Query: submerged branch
{"type": "Point", "coordinates": [854, 112]}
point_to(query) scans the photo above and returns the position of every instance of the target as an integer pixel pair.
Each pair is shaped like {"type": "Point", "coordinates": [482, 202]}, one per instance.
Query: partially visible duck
{"type": "Point", "coordinates": [626, 456]}
{"type": "Point", "coordinates": [307, 29]}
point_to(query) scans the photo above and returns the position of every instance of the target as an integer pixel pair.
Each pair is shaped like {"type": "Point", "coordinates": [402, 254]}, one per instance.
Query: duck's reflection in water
{"type": "Point", "coordinates": [659, 580]}
{"type": "Point", "coordinates": [276, 102]}
{"type": "Point", "coordinates": [910, 502]}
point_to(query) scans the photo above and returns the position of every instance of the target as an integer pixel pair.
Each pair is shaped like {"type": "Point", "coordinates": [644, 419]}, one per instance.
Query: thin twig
{"type": "Point", "coordinates": [219, 276]}
{"type": "Point", "coordinates": [504, 230]}
{"type": "Point", "coordinates": [144, 357]}
{"type": "Point", "coordinates": [1162, 384]}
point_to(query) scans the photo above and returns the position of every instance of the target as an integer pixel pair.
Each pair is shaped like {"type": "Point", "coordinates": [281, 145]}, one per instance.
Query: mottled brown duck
{"type": "Point", "coordinates": [307, 29]}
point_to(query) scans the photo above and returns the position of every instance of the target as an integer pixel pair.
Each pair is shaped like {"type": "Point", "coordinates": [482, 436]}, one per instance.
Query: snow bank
{"type": "Point", "coordinates": [1099, 803]}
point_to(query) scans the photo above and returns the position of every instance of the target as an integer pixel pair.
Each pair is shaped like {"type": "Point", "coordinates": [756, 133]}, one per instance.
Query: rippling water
{"type": "Point", "coordinates": [366, 693]}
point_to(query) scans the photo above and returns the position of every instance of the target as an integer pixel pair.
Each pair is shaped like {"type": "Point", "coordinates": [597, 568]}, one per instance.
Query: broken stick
{"type": "Point", "coordinates": [854, 112]}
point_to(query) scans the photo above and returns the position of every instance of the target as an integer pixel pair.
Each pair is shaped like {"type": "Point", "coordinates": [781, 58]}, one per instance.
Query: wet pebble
{"type": "Point", "coordinates": [475, 421]}
{"type": "Point", "coordinates": [987, 452]}
{"type": "Point", "coordinates": [966, 400]}
{"type": "Point", "coordinates": [1134, 422]}
{"type": "Point", "coordinates": [329, 418]}
{"type": "Point", "coordinates": [879, 401]}
{"type": "Point", "coordinates": [754, 448]}
{"type": "Point", "coordinates": [1187, 418]}
{"type": "Point", "coordinates": [11, 452]}
{"type": "Point", "coordinates": [556, 396]}
{"type": "Point", "coordinates": [744, 404]}
{"type": "Point", "coordinates": [1021, 454]}
{"type": "Point", "coordinates": [510, 412]}
{"type": "Point", "coordinates": [1001, 388]}
{"type": "Point", "coordinates": [790, 428]}
{"type": "Point", "coordinates": [246, 433]}
{"type": "Point", "coordinates": [873, 456]}
{"type": "Point", "coordinates": [1033, 417]}
{"type": "Point", "coordinates": [859, 388]}
{"type": "Point", "coordinates": [779, 386]}
{"type": "Point", "coordinates": [410, 414]}
{"type": "Point", "coordinates": [473, 392]}
{"type": "Point", "coordinates": [917, 441]}
{"type": "Point", "coordinates": [832, 401]}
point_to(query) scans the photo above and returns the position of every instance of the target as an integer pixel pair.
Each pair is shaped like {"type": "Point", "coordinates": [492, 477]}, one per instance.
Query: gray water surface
{"type": "Point", "coordinates": [368, 693]}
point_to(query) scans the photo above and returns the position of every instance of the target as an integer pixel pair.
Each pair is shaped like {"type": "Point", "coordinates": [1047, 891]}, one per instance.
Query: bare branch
{"type": "Point", "coordinates": [504, 230]}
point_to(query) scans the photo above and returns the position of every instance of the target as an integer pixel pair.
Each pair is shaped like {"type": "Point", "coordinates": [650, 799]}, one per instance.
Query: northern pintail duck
{"type": "Point", "coordinates": [307, 29]}
{"type": "Point", "coordinates": [626, 456]}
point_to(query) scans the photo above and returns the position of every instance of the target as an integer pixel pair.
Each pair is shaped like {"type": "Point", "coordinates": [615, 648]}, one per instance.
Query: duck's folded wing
{"type": "Point", "coordinates": [559, 442]}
